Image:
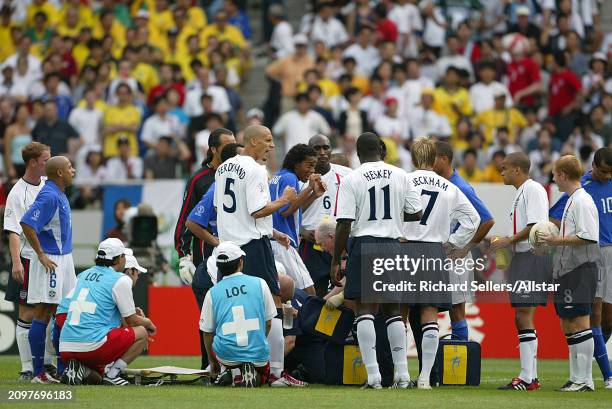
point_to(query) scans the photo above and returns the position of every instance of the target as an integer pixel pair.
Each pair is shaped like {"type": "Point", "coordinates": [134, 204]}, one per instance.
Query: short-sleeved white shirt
{"type": "Point", "coordinates": [326, 204]}
{"type": "Point", "coordinates": [530, 206]}
{"type": "Point", "coordinates": [19, 200]}
{"type": "Point", "coordinates": [442, 202]}
{"type": "Point", "coordinates": [375, 197]}
{"type": "Point", "coordinates": [241, 189]}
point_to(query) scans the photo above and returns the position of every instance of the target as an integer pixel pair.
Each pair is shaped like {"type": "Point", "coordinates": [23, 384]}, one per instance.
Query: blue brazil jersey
{"type": "Point", "coordinates": [601, 192]}
{"type": "Point", "coordinates": [240, 316]}
{"type": "Point", "coordinates": [92, 309]}
{"type": "Point", "coordinates": [50, 217]}
{"type": "Point", "coordinates": [289, 225]}
{"type": "Point", "coordinates": [204, 213]}
{"type": "Point", "coordinates": [469, 192]}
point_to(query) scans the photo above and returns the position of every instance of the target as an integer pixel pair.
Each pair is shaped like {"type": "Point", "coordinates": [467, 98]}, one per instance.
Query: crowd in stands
{"type": "Point", "coordinates": [131, 89]}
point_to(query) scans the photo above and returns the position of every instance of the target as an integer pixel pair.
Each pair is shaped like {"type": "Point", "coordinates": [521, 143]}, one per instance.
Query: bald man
{"type": "Point", "coordinates": [47, 226]}
{"type": "Point", "coordinates": [244, 216]}
{"type": "Point", "coordinates": [317, 262]}
{"type": "Point", "coordinates": [530, 206]}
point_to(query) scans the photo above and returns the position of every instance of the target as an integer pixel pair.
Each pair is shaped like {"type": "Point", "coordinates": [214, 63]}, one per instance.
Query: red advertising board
{"type": "Point", "coordinates": [174, 311]}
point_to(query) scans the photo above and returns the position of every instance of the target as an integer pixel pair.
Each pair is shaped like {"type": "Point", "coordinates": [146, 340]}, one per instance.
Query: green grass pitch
{"type": "Point", "coordinates": [494, 373]}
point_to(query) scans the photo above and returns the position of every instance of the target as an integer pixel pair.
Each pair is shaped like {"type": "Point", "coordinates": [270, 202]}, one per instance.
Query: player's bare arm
{"type": "Point", "coordinates": [289, 195]}
{"type": "Point", "coordinates": [343, 228]}
{"type": "Point", "coordinates": [551, 240]}
{"type": "Point", "coordinates": [318, 189]}
{"type": "Point", "coordinates": [201, 233]}
{"type": "Point", "coordinates": [32, 238]}
{"type": "Point", "coordinates": [481, 233]}
{"type": "Point", "coordinates": [215, 368]}
{"type": "Point", "coordinates": [14, 248]}
{"type": "Point", "coordinates": [503, 242]}
{"type": "Point", "coordinates": [135, 320]}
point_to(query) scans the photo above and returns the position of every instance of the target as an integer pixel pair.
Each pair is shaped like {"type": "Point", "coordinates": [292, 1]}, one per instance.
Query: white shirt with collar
{"type": "Point", "coordinates": [530, 205]}
{"type": "Point", "coordinates": [331, 32]}
{"type": "Point", "coordinates": [483, 95]}
{"type": "Point", "coordinates": [282, 39]}
{"type": "Point", "coordinates": [367, 58]}
{"type": "Point", "coordinates": [220, 100]}
{"type": "Point", "coordinates": [428, 122]}
{"type": "Point", "coordinates": [297, 128]}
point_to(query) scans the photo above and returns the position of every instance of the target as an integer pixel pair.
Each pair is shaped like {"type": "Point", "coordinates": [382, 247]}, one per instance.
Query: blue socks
{"type": "Point", "coordinates": [460, 330]}
{"type": "Point", "coordinates": [37, 337]}
{"type": "Point", "coordinates": [601, 353]}
{"type": "Point", "coordinates": [56, 334]}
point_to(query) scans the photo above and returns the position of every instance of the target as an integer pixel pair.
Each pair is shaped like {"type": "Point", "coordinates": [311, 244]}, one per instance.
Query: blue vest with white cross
{"type": "Point", "coordinates": [239, 314]}
{"type": "Point", "coordinates": [92, 311]}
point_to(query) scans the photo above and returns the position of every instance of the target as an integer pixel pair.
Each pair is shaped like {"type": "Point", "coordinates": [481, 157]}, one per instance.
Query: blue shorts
{"type": "Point", "coordinates": [259, 262]}
{"type": "Point", "coordinates": [352, 288]}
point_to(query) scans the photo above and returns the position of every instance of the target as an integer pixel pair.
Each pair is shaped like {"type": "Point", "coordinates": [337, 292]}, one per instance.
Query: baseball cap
{"type": "Point", "coordinates": [522, 11]}
{"type": "Point", "coordinates": [499, 93]}
{"type": "Point", "coordinates": [300, 39]}
{"type": "Point", "coordinates": [230, 250]}
{"type": "Point", "coordinates": [255, 113]}
{"type": "Point", "coordinates": [132, 262]}
{"type": "Point", "coordinates": [427, 90]}
{"type": "Point", "coordinates": [390, 100]}
{"type": "Point", "coordinates": [110, 248]}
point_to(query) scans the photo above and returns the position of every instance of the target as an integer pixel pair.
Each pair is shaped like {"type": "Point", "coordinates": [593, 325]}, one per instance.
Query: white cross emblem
{"type": "Point", "coordinates": [80, 306]}
{"type": "Point", "coordinates": [240, 326]}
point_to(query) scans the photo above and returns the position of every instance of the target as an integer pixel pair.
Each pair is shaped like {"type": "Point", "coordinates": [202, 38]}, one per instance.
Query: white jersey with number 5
{"type": "Point", "coordinates": [375, 196]}
{"type": "Point", "coordinates": [241, 189]}
{"type": "Point", "coordinates": [326, 204]}
{"type": "Point", "coordinates": [442, 202]}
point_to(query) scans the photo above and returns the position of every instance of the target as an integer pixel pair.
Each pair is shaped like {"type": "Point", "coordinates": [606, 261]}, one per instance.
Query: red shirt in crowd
{"type": "Point", "coordinates": [521, 74]}
{"type": "Point", "coordinates": [563, 88]}
{"type": "Point", "coordinates": [386, 30]}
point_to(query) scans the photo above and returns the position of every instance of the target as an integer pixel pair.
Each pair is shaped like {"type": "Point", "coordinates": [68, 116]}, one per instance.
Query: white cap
{"type": "Point", "coordinates": [300, 39]}
{"type": "Point", "coordinates": [255, 112]}
{"type": "Point", "coordinates": [110, 248]}
{"type": "Point", "coordinates": [522, 11]}
{"type": "Point", "coordinates": [230, 250]}
{"type": "Point", "coordinates": [142, 14]}
{"type": "Point", "coordinates": [131, 262]}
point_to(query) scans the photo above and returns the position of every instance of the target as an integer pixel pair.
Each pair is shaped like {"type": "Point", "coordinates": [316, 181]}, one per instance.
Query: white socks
{"type": "Point", "coordinates": [581, 348]}
{"type": "Point", "coordinates": [116, 368]}
{"type": "Point", "coordinates": [528, 351]}
{"type": "Point", "coordinates": [276, 342]}
{"type": "Point", "coordinates": [23, 345]}
{"type": "Point", "coordinates": [396, 331]}
{"type": "Point", "coordinates": [429, 348]}
{"type": "Point", "coordinates": [366, 336]}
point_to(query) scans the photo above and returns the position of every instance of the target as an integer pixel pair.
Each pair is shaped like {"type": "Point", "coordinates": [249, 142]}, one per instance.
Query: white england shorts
{"type": "Point", "coordinates": [604, 284]}
{"type": "Point", "coordinates": [293, 265]}
{"type": "Point", "coordinates": [463, 274]}
{"type": "Point", "coordinates": [51, 287]}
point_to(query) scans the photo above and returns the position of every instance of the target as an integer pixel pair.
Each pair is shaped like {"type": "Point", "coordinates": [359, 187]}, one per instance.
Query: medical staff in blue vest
{"type": "Point", "coordinates": [236, 318]}
{"type": "Point", "coordinates": [92, 335]}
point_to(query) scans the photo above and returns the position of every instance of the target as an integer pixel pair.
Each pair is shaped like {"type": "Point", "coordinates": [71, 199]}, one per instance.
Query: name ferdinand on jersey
{"type": "Point", "coordinates": [429, 181]}
{"type": "Point", "coordinates": [377, 174]}
{"type": "Point", "coordinates": [231, 167]}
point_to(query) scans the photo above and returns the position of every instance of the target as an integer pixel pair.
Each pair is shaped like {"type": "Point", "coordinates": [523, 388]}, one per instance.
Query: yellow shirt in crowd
{"type": "Point", "coordinates": [491, 174]}
{"type": "Point", "coordinates": [230, 33]}
{"type": "Point", "coordinates": [488, 121]}
{"type": "Point", "coordinates": [476, 176]}
{"type": "Point", "coordinates": [444, 103]}
{"type": "Point", "coordinates": [47, 8]}
{"type": "Point", "coordinates": [116, 115]}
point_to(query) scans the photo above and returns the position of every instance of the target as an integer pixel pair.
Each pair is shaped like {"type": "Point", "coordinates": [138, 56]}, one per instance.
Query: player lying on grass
{"type": "Point", "coordinates": [92, 334]}
{"type": "Point", "coordinates": [236, 319]}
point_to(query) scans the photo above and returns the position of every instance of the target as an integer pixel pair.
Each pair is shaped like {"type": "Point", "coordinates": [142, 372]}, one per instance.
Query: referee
{"type": "Point", "coordinates": [47, 226]}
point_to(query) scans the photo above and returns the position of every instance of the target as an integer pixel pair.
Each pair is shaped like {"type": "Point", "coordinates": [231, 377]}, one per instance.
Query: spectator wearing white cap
{"type": "Point", "coordinates": [524, 25]}
{"type": "Point", "coordinates": [289, 71]}
{"type": "Point", "coordinates": [281, 43]}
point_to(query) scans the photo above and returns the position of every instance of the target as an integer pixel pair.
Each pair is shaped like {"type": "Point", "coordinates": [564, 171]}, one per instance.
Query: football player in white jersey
{"type": "Point", "coordinates": [373, 200]}
{"type": "Point", "coordinates": [430, 239]}
{"type": "Point", "coordinates": [244, 216]}
{"type": "Point", "coordinates": [529, 207]}
{"type": "Point", "coordinates": [19, 199]}
{"type": "Point", "coordinates": [575, 271]}
{"type": "Point", "coordinates": [317, 261]}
